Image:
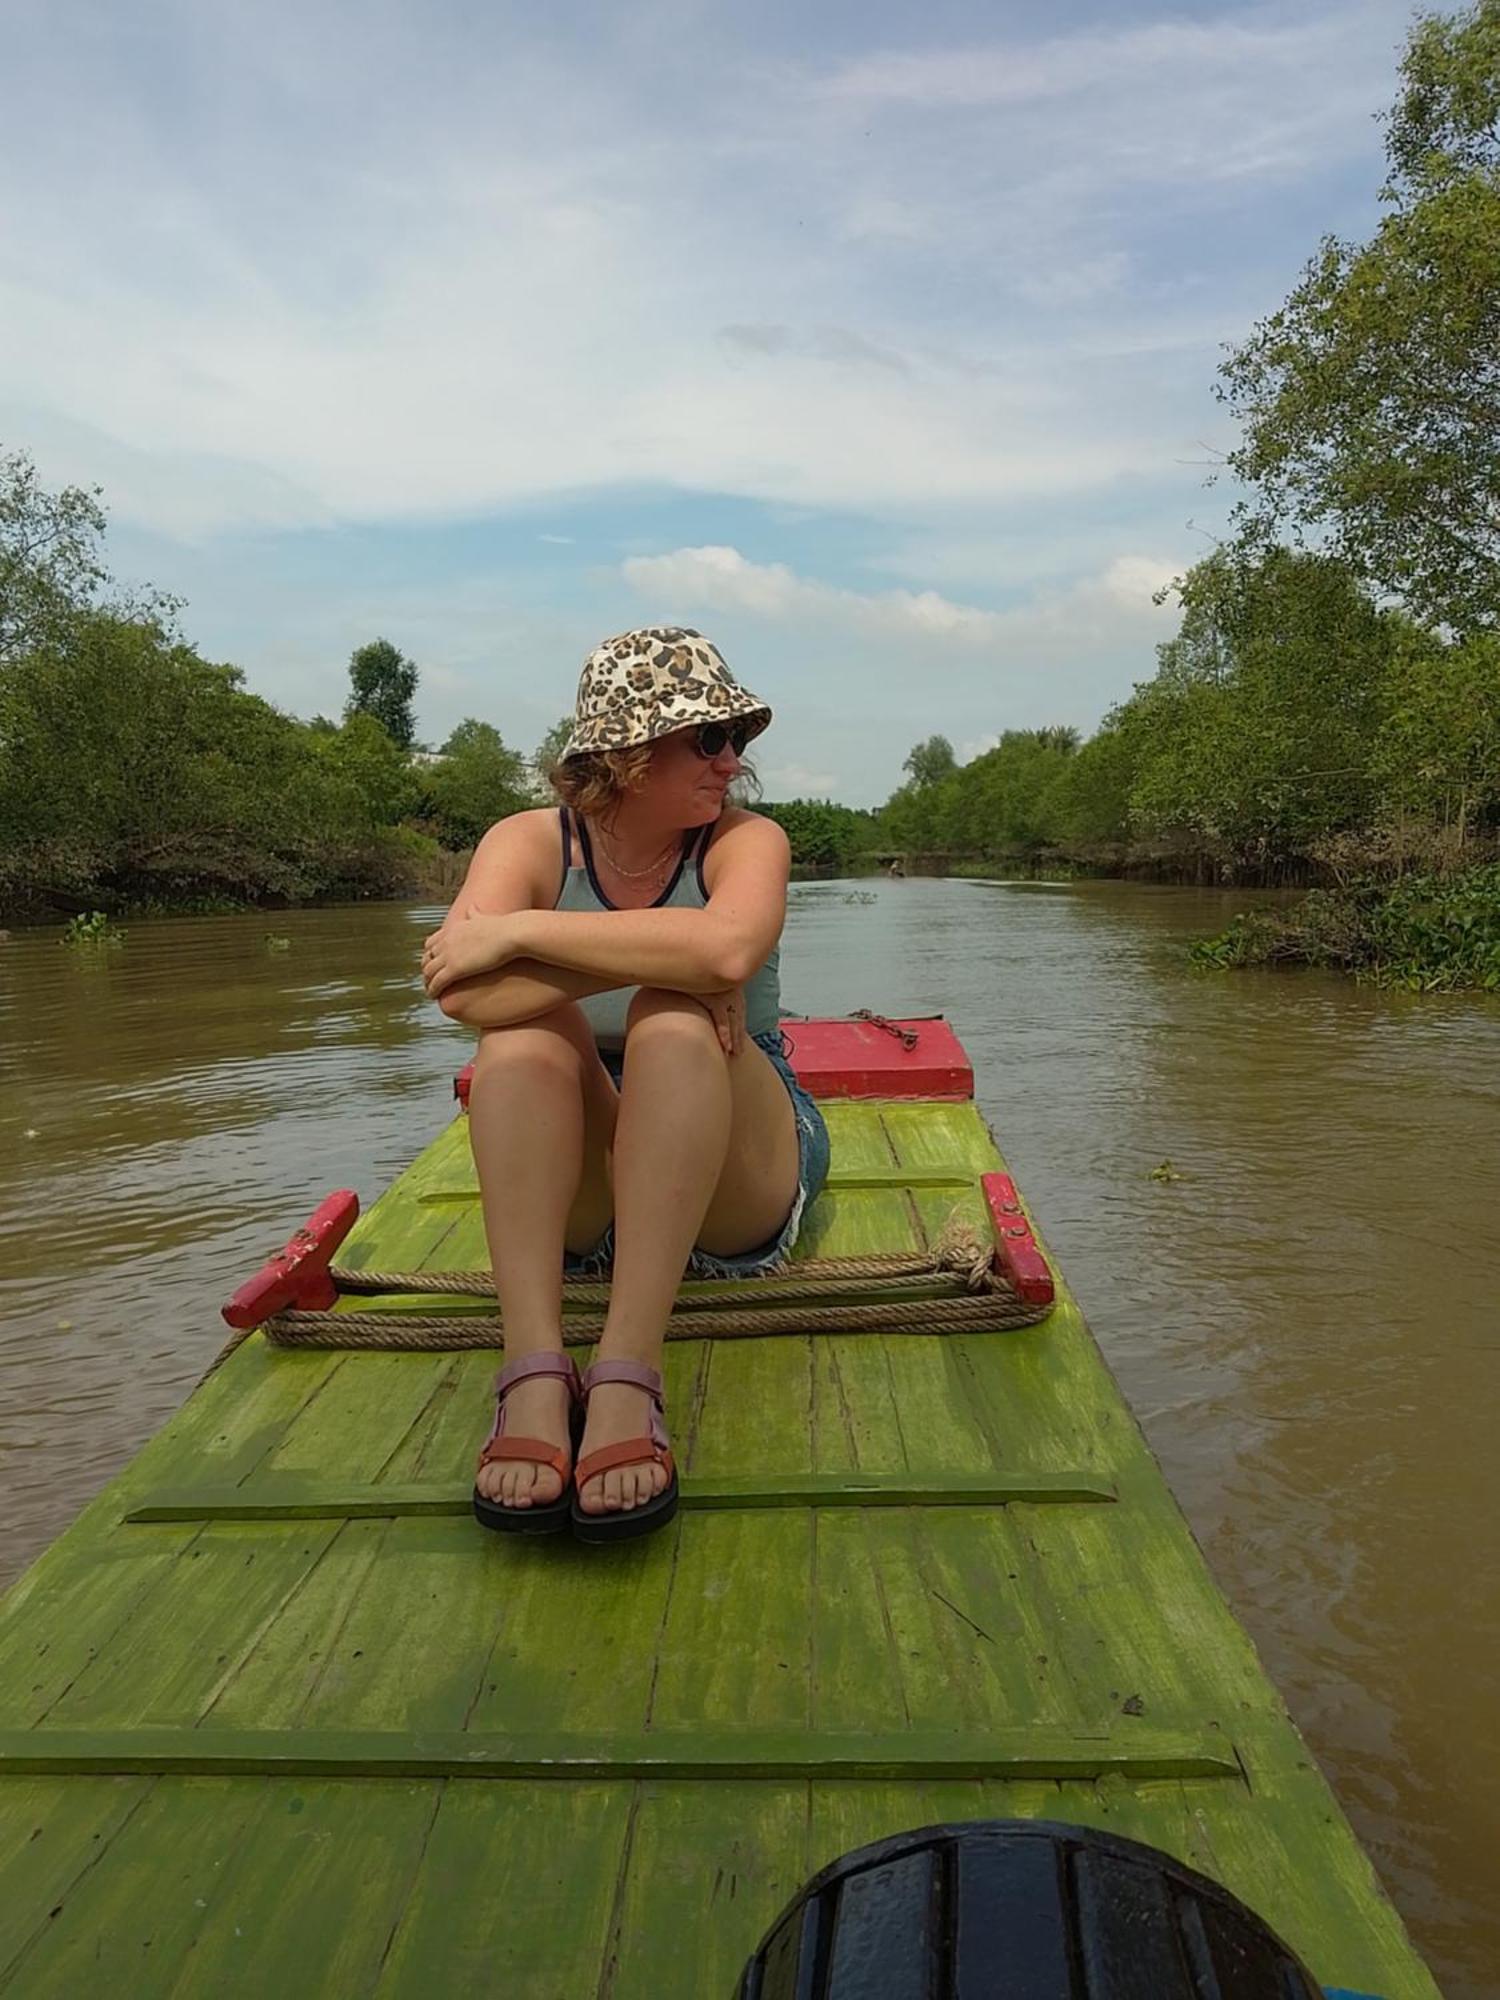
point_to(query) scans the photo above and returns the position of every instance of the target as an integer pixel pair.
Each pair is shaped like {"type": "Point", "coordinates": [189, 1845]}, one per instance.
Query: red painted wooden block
{"type": "Point", "coordinates": [866, 1059]}
{"type": "Point", "coordinates": [861, 1059]}
{"type": "Point", "coordinates": [297, 1276]}
{"type": "Point", "coordinates": [1015, 1246]}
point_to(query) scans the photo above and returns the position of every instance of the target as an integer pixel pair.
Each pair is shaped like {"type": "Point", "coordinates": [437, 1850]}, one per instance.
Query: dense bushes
{"type": "Point", "coordinates": [822, 835]}
{"type": "Point", "coordinates": [134, 772]}
{"type": "Point", "coordinates": [1429, 932]}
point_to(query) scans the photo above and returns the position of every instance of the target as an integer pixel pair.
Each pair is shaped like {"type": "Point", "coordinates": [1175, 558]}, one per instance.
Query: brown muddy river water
{"type": "Point", "coordinates": [1307, 1321]}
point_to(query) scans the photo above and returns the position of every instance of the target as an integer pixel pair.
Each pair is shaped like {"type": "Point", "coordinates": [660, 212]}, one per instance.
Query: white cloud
{"type": "Point", "coordinates": [724, 580]}
{"type": "Point", "coordinates": [519, 291]}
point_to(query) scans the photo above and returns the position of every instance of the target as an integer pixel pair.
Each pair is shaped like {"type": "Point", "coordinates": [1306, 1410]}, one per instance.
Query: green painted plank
{"type": "Point", "coordinates": [856, 1134]}
{"type": "Point", "coordinates": [1134, 1616]}
{"type": "Point", "coordinates": [854, 1422]}
{"type": "Point", "coordinates": [745, 1752]}
{"type": "Point", "coordinates": [225, 1430]}
{"type": "Point", "coordinates": [53, 1831]}
{"type": "Point", "coordinates": [293, 1499]}
{"type": "Point", "coordinates": [857, 1677]}
{"type": "Point", "coordinates": [70, 1615]}
{"type": "Point", "coordinates": [933, 1407]}
{"type": "Point", "coordinates": [997, 1660]}
{"type": "Point", "coordinates": [512, 1896]}
{"type": "Point", "coordinates": [413, 1648]}
{"type": "Point", "coordinates": [755, 1411]}
{"type": "Point", "coordinates": [863, 1222]}
{"type": "Point", "coordinates": [576, 1645]}
{"type": "Point", "coordinates": [743, 1578]}
{"type": "Point", "coordinates": [308, 1899]}
{"type": "Point", "coordinates": [165, 1663]}
{"type": "Point", "coordinates": [733, 1854]}
{"type": "Point", "coordinates": [1040, 1395]}
{"type": "Point", "coordinates": [742, 1575]}
{"type": "Point", "coordinates": [939, 1138]}
{"type": "Point", "coordinates": [130, 1922]}
{"type": "Point", "coordinates": [445, 1435]}
{"type": "Point", "coordinates": [362, 1418]}
{"type": "Point", "coordinates": [840, 1180]}
{"type": "Point", "coordinates": [272, 1683]}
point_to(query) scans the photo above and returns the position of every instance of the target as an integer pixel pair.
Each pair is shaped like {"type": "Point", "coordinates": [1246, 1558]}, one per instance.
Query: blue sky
{"type": "Point", "coordinates": [875, 341]}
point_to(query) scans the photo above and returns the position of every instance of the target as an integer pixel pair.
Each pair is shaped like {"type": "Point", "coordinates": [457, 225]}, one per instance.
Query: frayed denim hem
{"type": "Point", "coordinates": [774, 1256]}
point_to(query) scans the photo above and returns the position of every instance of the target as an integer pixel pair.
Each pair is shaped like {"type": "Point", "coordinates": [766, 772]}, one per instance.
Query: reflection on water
{"type": "Point", "coordinates": [1305, 1320]}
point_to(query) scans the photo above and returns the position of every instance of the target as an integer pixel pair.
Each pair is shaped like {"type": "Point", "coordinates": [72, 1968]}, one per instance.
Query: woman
{"type": "Point", "coordinates": [631, 1106]}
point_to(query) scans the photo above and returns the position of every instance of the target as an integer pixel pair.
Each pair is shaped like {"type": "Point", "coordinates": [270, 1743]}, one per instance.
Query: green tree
{"type": "Point", "coordinates": [382, 682]}
{"type": "Point", "coordinates": [1370, 403]}
{"type": "Point", "coordinates": [1088, 805]}
{"type": "Point", "coordinates": [369, 776]}
{"type": "Point", "coordinates": [822, 835]}
{"type": "Point", "coordinates": [50, 561]}
{"type": "Point", "coordinates": [131, 767]}
{"type": "Point", "coordinates": [1254, 737]}
{"type": "Point", "coordinates": [1437, 753]}
{"type": "Point", "coordinates": [475, 782]}
{"type": "Point", "coordinates": [548, 754]}
{"type": "Point", "coordinates": [930, 762]}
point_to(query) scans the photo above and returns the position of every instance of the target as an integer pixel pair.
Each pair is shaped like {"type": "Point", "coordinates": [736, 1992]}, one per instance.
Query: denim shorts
{"type": "Point", "coordinates": [812, 1171]}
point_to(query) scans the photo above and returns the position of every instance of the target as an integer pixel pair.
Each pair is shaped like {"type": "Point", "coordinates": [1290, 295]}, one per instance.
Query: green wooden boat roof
{"type": "Point", "coordinates": [277, 1716]}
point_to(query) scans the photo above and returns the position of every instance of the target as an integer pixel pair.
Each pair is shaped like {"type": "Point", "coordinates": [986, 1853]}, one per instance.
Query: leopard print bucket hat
{"type": "Point", "coordinates": [641, 685]}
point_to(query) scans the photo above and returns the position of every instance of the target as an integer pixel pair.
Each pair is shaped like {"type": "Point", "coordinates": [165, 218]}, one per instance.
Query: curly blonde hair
{"type": "Point", "coordinates": [595, 783]}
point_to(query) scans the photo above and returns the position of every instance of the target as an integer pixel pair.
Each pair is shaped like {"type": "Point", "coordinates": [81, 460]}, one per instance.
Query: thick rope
{"type": "Point", "coordinates": [957, 1258]}
{"type": "Point", "coordinates": [997, 1310]}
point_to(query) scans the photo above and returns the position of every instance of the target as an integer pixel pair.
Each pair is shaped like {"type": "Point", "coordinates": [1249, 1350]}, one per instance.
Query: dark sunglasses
{"type": "Point", "coordinates": [710, 738]}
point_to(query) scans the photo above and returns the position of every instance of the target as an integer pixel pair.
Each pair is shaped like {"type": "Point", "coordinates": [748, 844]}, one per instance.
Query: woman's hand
{"type": "Point", "coordinates": [726, 1010]}
{"type": "Point", "coordinates": [474, 944]}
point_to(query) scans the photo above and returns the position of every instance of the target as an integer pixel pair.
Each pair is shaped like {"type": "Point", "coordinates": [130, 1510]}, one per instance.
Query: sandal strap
{"type": "Point", "coordinates": [534, 1451]}
{"type": "Point", "coordinates": [634, 1372]}
{"type": "Point", "coordinates": [545, 1363]}
{"type": "Point", "coordinates": [634, 1451]}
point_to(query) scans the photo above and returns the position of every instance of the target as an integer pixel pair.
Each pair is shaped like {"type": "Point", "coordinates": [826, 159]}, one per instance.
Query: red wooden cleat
{"type": "Point", "coordinates": [297, 1276]}
{"type": "Point", "coordinates": [1016, 1250]}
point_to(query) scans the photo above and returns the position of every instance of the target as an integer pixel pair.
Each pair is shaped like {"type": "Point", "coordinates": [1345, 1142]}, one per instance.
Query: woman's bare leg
{"type": "Point", "coordinates": [705, 1151]}
{"type": "Point", "coordinates": [541, 1120]}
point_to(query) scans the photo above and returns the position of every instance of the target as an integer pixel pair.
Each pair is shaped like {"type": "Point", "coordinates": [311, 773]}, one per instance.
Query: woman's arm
{"type": "Point", "coordinates": [514, 868]}
{"type": "Point", "coordinates": [519, 991]}
{"type": "Point", "coordinates": [690, 951]}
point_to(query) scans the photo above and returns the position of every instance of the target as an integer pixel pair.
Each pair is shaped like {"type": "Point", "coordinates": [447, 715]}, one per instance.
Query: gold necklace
{"type": "Point", "coordinates": [657, 867]}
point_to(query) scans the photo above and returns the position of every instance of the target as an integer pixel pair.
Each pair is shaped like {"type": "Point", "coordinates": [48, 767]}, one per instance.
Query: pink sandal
{"type": "Point", "coordinates": [549, 1518]}
{"type": "Point", "coordinates": [626, 1523]}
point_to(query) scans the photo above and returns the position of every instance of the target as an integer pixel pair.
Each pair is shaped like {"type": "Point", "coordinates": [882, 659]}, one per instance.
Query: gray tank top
{"type": "Point", "coordinates": [687, 890]}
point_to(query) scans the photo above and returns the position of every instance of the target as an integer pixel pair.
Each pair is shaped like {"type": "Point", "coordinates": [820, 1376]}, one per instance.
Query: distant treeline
{"type": "Point", "coordinates": [1329, 708]}
{"type": "Point", "coordinates": [135, 773]}
{"type": "Point", "coordinates": [1294, 728]}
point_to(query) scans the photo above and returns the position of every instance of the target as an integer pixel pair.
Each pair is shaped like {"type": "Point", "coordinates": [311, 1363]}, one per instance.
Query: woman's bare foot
{"type": "Point", "coordinates": [617, 1411]}
{"type": "Point", "coordinates": [538, 1408]}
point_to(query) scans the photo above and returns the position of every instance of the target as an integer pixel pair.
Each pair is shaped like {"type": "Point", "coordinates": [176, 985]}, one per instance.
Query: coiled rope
{"type": "Point", "coordinates": [951, 1288]}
